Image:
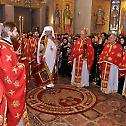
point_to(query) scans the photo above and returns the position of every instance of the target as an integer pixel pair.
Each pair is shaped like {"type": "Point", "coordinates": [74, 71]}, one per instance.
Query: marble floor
{"type": "Point", "coordinates": [110, 110]}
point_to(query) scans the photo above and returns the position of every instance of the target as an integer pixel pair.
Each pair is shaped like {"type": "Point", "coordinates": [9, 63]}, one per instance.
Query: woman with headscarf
{"type": "Point", "coordinates": [65, 50]}
{"type": "Point", "coordinates": [122, 69]}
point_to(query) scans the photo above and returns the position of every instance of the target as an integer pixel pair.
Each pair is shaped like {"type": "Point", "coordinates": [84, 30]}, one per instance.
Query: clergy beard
{"type": "Point", "coordinates": [49, 36]}
{"type": "Point", "coordinates": [14, 38]}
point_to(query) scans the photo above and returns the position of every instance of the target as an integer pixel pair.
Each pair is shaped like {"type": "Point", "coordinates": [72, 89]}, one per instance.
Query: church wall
{"type": "Point", "coordinates": [39, 18]}
{"type": "Point", "coordinates": [9, 12]}
{"type": "Point", "coordinates": [105, 6]}
{"type": "Point", "coordinates": [82, 15]}
{"type": "Point", "coordinates": [1, 14]}
{"type": "Point", "coordinates": [36, 18]}
{"type": "Point", "coordinates": [27, 17]}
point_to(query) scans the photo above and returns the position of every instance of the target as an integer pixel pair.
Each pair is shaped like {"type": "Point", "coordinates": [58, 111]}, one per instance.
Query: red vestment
{"type": "Point", "coordinates": [122, 65]}
{"type": "Point", "coordinates": [89, 54]}
{"type": "Point", "coordinates": [12, 85]}
{"type": "Point", "coordinates": [111, 54]}
{"type": "Point", "coordinates": [23, 57]}
{"type": "Point", "coordinates": [26, 48]}
{"type": "Point", "coordinates": [80, 52]}
{"type": "Point", "coordinates": [32, 45]}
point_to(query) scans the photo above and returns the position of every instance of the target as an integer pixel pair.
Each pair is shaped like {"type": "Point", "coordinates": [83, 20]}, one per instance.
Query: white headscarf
{"type": "Point", "coordinates": [46, 28]}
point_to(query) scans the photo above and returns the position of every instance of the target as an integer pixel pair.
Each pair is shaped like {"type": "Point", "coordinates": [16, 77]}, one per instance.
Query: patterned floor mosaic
{"type": "Point", "coordinates": [110, 110]}
{"type": "Point", "coordinates": [62, 99]}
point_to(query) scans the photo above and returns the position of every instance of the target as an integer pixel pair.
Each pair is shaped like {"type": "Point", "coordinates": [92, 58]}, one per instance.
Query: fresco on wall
{"type": "Point", "coordinates": [57, 18]}
{"type": "Point", "coordinates": [113, 16]}
{"type": "Point", "coordinates": [63, 16]}
{"type": "Point", "coordinates": [99, 20]}
{"type": "Point", "coordinates": [67, 19]}
{"type": "Point", "coordinates": [100, 16]}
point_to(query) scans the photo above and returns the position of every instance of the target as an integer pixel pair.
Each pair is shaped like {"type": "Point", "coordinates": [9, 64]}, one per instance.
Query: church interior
{"type": "Point", "coordinates": [65, 104]}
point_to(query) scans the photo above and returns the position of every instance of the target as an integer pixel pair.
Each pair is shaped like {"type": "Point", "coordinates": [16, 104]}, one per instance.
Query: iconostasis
{"type": "Point", "coordinates": [64, 16]}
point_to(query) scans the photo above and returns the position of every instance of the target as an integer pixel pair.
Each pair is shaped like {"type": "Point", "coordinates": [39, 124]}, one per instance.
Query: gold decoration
{"type": "Point", "coordinates": [8, 57]}
{"type": "Point", "coordinates": [16, 83]}
{"type": "Point", "coordinates": [8, 80]}
{"type": "Point", "coordinates": [3, 47]}
{"type": "Point", "coordinates": [16, 104]}
{"type": "Point", "coordinates": [1, 120]}
{"type": "Point", "coordinates": [15, 70]}
{"type": "Point", "coordinates": [11, 92]}
{"type": "Point", "coordinates": [17, 115]}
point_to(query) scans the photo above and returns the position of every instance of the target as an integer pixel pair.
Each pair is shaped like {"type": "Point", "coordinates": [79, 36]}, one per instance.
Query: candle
{"type": "Point", "coordinates": [22, 23]}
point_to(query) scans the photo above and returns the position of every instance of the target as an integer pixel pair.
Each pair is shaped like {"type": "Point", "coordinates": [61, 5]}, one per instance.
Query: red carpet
{"type": "Point", "coordinates": [62, 99]}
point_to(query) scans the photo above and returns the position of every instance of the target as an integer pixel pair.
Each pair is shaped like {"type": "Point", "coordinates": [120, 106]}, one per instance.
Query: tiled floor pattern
{"type": "Point", "coordinates": [110, 110]}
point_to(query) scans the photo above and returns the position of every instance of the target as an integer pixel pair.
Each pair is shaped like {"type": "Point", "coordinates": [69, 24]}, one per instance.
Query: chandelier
{"type": "Point", "coordinates": [15, 1]}
{"type": "Point", "coordinates": [43, 1]}
{"type": "Point", "coordinates": [28, 3]}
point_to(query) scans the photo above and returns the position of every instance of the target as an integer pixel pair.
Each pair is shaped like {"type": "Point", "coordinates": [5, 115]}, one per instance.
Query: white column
{"type": "Point", "coordinates": [82, 15]}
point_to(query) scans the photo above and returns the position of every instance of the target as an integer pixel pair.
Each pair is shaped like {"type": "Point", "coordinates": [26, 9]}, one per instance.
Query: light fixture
{"type": "Point", "coordinates": [15, 1]}
{"type": "Point", "coordinates": [28, 3]}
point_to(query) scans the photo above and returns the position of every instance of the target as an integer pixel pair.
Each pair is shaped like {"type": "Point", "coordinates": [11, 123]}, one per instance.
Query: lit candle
{"type": "Point", "coordinates": [22, 23]}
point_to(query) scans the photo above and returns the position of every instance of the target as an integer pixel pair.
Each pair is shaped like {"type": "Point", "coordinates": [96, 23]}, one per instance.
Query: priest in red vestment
{"type": "Point", "coordinates": [12, 81]}
{"type": "Point", "coordinates": [108, 62]}
{"type": "Point", "coordinates": [81, 59]}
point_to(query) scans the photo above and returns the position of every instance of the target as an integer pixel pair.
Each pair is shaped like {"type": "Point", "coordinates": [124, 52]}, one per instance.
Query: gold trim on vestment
{"type": "Point", "coordinates": [5, 114]}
